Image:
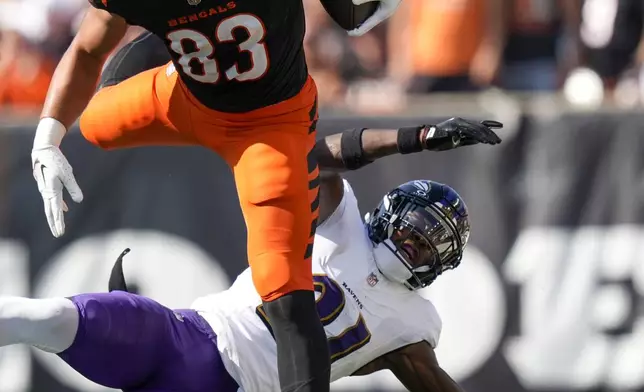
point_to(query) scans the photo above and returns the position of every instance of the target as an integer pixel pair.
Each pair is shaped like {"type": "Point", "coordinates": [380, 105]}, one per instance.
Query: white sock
{"type": "Point", "coordinates": [48, 324]}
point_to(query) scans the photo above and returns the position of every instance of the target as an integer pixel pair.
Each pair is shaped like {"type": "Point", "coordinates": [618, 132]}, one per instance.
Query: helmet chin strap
{"type": "Point", "coordinates": [388, 264]}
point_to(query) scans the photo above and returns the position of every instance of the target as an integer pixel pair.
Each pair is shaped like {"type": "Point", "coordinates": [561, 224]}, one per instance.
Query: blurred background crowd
{"type": "Point", "coordinates": [589, 49]}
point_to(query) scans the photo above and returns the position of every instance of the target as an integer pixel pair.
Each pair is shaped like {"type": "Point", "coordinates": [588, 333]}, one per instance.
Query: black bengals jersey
{"type": "Point", "coordinates": [233, 55]}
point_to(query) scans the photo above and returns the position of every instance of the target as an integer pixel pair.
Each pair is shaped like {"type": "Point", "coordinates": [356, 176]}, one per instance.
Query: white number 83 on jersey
{"type": "Point", "coordinates": [205, 56]}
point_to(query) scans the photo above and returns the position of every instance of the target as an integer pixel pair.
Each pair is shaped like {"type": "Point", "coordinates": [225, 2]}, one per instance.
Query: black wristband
{"type": "Point", "coordinates": [409, 140]}
{"type": "Point", "coordinates": [351, 149]}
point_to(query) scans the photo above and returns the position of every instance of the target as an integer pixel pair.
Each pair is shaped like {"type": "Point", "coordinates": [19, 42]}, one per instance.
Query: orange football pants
{"type": "Point", "coordinates": [268, 149]}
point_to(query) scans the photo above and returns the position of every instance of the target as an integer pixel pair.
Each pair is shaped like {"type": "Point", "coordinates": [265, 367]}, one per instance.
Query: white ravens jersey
{"type": "Point", "coordinates": [364, 315]}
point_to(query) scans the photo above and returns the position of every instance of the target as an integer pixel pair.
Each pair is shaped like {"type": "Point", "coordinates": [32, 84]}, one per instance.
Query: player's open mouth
{"type": "Point", "coordinates": [410, 251]}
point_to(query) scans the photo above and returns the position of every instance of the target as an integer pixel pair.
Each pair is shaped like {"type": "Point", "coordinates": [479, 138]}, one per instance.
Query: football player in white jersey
{"type": "Point", "coordinates": [366, 274]}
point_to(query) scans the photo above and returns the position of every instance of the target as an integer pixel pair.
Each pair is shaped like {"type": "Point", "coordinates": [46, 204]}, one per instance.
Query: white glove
{"type": "Point", "coordinates": [52, 172]}
{"type": "Point", "coordinates": [384, 11]}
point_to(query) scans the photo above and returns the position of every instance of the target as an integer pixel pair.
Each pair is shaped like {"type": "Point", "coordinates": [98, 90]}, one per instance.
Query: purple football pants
{"type": "Point", "coordinates": [129, 342]}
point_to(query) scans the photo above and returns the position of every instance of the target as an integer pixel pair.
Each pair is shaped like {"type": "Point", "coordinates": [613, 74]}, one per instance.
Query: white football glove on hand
{"type": "Point", "coordinates": [384, 11]}
{"type": "Point", "coordinates": [53, 172]}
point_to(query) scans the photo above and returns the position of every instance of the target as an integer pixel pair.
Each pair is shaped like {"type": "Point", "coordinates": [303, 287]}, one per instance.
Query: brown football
{"type": "Point", "coordinates": [348, 15]}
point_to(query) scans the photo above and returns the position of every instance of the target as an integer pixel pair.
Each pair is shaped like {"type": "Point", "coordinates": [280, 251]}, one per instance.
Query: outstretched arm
{"type": "Point", "coordinates": [416, 367]}
{"type": "Point", "coordinates": [353, 149]}
{"type": "Point", "coordinates": [376, 143]}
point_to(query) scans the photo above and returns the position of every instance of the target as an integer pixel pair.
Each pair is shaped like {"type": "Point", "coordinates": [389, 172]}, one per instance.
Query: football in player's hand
{"type": "Point", "coordinates": [348, 15]}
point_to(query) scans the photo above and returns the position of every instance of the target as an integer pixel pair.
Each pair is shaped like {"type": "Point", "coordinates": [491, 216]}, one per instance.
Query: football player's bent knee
{"type": "Point", "coordinates": [93, 125]}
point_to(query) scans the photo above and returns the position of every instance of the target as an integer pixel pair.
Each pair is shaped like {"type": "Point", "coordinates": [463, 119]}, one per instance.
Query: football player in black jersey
{"type": "Point", "coordinates": [237, 83]}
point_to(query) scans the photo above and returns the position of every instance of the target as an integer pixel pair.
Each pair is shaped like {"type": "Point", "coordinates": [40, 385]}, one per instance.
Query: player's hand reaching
{"type": "Point", "coordinates": [386, 9]}
{"type": "Point", "coordinates": [53, 172]}
{"type": "Point", "coordinates": [457, 132]}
